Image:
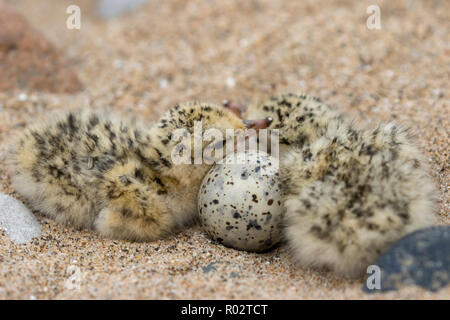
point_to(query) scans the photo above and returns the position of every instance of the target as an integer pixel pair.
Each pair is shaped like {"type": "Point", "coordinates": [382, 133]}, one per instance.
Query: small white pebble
{"type": "Point", "coordinates": [302, 84]}
{"type": "Point", "coordinates": [23, 97]}
{"type": "Point", "coordinates": [17, 220]}
{"type": "Point", "coordinates": [118, 63]}
{"type": "Point", "coordinates": [231, 83]}
{"type": "Point", "coordinates": [437, 92]}
{"type": "Point", "coordinates": [163, 83]}
{"type": "Point", "coordinates": [388, 73]}
{"type": "Point", "coordinates": [243, 42]}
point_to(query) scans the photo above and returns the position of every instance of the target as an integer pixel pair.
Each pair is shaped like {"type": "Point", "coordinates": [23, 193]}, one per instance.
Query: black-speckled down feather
{"type": "Point", "coordinates": [349, 193]}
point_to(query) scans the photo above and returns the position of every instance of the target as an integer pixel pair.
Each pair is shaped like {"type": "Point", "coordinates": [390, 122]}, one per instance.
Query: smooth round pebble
{"type": "Point", "coordinates": [239, 202]}
{"type": "Point", "coordinates": [18, 222]}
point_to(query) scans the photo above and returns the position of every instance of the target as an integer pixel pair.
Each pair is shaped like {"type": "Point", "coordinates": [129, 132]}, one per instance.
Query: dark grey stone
{"type": "Point", "coordinates": [421, 258]}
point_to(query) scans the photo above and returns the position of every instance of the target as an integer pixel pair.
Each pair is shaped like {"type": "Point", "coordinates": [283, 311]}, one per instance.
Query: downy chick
{"type": "Point", "coordinates": [349, 193]}
{"type": "Point", "coordinates": [95, 171]}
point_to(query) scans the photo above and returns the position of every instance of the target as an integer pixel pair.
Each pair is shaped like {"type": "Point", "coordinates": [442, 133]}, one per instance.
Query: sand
{"type": "Point", "coordinates": [145, 61]}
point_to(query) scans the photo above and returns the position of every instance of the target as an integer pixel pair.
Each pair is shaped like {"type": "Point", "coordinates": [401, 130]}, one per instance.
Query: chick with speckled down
{"type": "Point", "coordinates": [100, 172]}
{"type": "Point", "coordinates": [349, 193]}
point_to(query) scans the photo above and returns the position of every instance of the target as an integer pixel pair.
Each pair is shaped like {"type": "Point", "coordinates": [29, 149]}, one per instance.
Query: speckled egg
{"type": "Point", "coordinates": [239, 202]}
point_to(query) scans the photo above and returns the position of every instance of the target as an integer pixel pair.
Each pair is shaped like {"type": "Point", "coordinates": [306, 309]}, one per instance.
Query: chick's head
{"type": "Point", "coordinates": [298, 117]}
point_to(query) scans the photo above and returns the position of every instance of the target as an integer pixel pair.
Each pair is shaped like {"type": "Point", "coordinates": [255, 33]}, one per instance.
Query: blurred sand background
{"type": "Point", "coordinates": [142, 62]}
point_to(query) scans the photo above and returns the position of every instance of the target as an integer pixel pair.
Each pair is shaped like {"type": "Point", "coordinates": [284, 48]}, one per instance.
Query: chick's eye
{"type": "Point", "coordinates": [300, 119]}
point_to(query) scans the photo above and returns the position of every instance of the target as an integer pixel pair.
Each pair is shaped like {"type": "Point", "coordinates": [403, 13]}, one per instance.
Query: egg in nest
{"type": "Point", "coordinates": [239, 202]}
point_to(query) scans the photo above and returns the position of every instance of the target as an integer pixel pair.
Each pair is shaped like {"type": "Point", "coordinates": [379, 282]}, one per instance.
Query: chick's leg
{"type": "Point", "coordinates": [134, 206]}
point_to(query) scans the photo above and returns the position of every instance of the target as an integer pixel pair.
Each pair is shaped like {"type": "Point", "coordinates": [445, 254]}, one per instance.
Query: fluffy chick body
{"type": "Point", "coordinates": [349, 193]}
{"type": "Point", "coordinates": [100, 172]}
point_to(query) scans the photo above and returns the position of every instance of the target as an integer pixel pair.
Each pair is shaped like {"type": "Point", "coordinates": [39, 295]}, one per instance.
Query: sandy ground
{"type": "Point", "coordinates": [168, 51]}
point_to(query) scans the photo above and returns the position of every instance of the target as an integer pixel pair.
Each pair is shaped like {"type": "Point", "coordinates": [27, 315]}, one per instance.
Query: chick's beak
{"type": "Point", "coordinates": [258, 124]}
{"type": "Point", "coordinates": [237, 108]}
